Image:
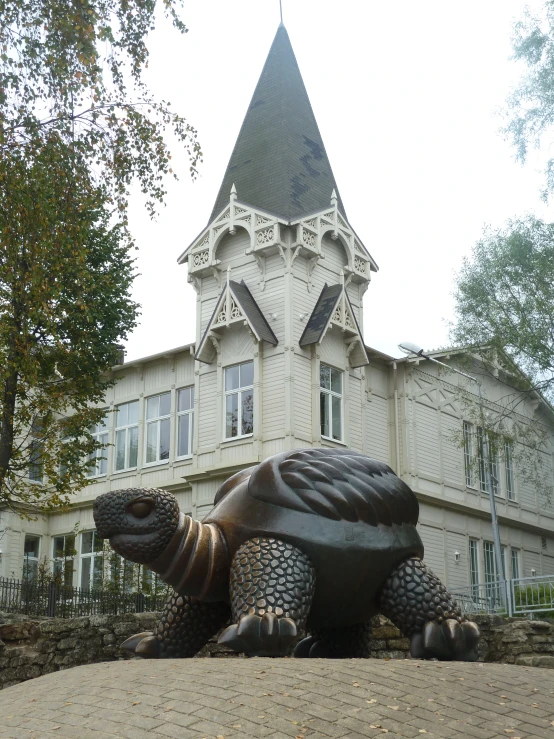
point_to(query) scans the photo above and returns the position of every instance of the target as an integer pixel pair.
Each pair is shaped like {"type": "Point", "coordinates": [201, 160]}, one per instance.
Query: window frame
{"type": "Point", "coordinates": [329, 394]}
{"type": "Point", "coordinates": [237, 391]}
{"type": "Point", "coordinates": [92, 555]}
{"type": "Point", "coordinates": [493, 463]}
{"type": "Point", "coordinates": [63, 560]}
{"type": "Point", "coordinates": [158, 421]}
{"type": "Point", "coordinates": [515, 554]}
{"type": "Point", "coordinates": [97, 456]}
{"type": "Point", "coordinates": [127, 428]}
{"type": "Point", "coordinates": [469, 456]}
{"type": "Point", "coordinates": [35, 472]}
{"type": "Point", "coordinates": [179, 414]}
{"type": "Point", "coordinates": [509, 472]}
{"type": "Point", "coordinates": [27, 559]}
{"type": "Point", "coordinates": [474, 565]}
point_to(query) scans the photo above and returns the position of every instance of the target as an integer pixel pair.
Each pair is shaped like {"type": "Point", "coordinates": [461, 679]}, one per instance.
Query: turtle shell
{"type": "Point", "coordinates": [350, 514]}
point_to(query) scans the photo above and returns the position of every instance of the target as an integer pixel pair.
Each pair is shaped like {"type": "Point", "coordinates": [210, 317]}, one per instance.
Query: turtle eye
{"type": "Point", "coordinates": [141, 508]}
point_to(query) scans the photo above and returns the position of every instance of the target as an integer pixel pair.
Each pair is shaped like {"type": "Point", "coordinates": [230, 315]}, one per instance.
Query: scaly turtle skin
{"type": "Point", "coordinates": [313, 539]}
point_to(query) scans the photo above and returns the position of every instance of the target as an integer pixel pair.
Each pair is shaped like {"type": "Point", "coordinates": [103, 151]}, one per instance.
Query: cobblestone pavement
{"type": "Point", "coordinates": [282, 699]}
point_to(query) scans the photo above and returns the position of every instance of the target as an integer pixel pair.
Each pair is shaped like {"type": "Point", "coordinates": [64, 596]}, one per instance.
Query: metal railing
{"type": "Point", "coordinates": [35, 598]}
{"type": "Point", "coordinates": [532, 594]}
{"type": "Point", "coordinates": [520, 596]}
{"type": "Point", "coordinates": [485, 598]}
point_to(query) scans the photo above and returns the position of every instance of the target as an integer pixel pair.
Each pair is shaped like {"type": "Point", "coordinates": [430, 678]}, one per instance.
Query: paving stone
{"type": "Point", "coordinates": [282, 699]}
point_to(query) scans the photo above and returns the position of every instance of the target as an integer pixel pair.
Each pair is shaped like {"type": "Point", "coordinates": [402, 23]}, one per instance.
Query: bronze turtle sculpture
{"type": "Point", "coordinates": [313, 541]}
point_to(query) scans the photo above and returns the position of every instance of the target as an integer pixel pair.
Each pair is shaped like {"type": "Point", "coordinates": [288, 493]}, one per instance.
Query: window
{"type": "Point", "coordinates": [490, 569]}
{"type": "Point", "coordinates": [31, 553]}
{"type": "Point", "coordinates": [485, 443]}
{"type": "Point", "coordinates": [468, 453]}
{"type": "Point", "coordinates": [185, 414]}
{"type": "Point", "coordinates": [330, 381]}
{"type": "Point", "coordinates": [514, 559]}
{"type": "Point", "coordinates": [474, 566]}
{"type": "Point", "coordinates": [239, 400]}
{"type": "Point", "coordinates": [98, 458]}
{"type": "Point", "coordinates": [509, 470]}
{"type": "Point", "coordinates": [92, 560]}
{"type": "Point", "coordinates": [63, 551]}
{"type": "Point", "coordinates": [126, 436]}
{"type": "Point", "coordinates": [158, 408]}
{"type": "Point", "coordinates": [35, 453]}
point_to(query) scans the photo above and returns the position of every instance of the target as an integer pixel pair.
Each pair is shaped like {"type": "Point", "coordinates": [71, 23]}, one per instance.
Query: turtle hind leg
{"type": "Point", "coordinates": [271, 589]}
{"type": "Point", "coordinates": [183, 629]}
{"type": "Point", "coordinates": [416, 601]}
{"type": "Point", "coordinates": [347, 642]}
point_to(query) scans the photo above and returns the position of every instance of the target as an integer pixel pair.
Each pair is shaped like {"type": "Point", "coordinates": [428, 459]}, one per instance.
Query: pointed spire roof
{"type": "Point", "coordinates": [279, 163]}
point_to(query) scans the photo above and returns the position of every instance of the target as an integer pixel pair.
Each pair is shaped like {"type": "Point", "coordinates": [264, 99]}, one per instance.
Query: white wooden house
{"type": "Point", "coordinates": [280, 362]}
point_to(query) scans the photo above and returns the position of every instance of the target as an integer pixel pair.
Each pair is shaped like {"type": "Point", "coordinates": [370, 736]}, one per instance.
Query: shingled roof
{"type": "Point", "coordinates": [279, 163]}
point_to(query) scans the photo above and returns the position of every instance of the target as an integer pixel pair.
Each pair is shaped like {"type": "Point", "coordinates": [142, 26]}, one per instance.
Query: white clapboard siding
{"type": "Point", "coordinates": [332, 349]}
{"type": "Point", "coordinates": [353, 292]}
{"type": "Point", "coordinates": [158, 377]}
{"type": "Point", "coordinates": [452, 452]}
{"type": "Point", "coordinates": [335, 259]}
{"type": "Point", "coordinates": [355, 412]}
{"type": "Point", "coordinates": [526, 493]}
{"type": "Point", "coordinates": [427, 441]}
{"type": "Point", "coordinates": [15, 553]}
{"type": "Point", "coordinates": [547, 564]}
{"type": "Point", "coordinates": [207, 308]}
{"type": "Point", "coordinates": [184, 499]}
{"type": "Point", "coordinates": [232, 249]}
{"type": "Point", "coordinates": [203, 510]}
{"type": "Point", "coordinates": [303, 396]}
{"type": "Point", "coordinates": [531, 560]}
{"type": "Point", "coordinates": [457, 571]}
{"type": "Point", "coordinates": [303, 304]}
{"type": "Point", "coordinates": [184, 372]}
{"type": "Point", "coordinates": [273, 399]}
{"type": "Point", "coordinates": [376, 431]}
{"type": "Point", "coordinates": [207, 431]}
{"type": "Point", "coordinates": [128, 384]}
{"type": "Point", "coordinates": [237, 345]}
{"type": "Point", "coordinates": [234, 453]}
{"type": "Point", "coordinates": [433, 541]}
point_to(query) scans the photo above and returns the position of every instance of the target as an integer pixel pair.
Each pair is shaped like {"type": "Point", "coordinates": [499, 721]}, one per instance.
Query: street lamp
{"type": "Point", "coordinates": [409, 348]}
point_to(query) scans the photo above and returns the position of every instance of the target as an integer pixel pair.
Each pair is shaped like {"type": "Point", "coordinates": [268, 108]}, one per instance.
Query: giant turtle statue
{"type": "Point", "coordinates": [313, 541]}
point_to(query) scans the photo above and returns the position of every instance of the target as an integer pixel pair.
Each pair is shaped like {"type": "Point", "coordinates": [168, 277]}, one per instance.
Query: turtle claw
{"type": "Point", "coordinates": [261, 636]}
{"type": "Point", "coordinates": [447, 641]}
{"type": "Point", "coordinates": [313, 647]}
{"type": "Point", "coordinates": [304, 646]}
{"type": "Point", "coordinates": [144, 645]}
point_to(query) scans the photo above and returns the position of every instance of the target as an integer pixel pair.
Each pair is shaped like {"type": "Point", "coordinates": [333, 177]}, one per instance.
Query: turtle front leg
{"type": "Point", "coordinates": [416, 601]}
{"type": "Point", "coordinates": [271, 588]}
{"type": "Point", "coordinates": [183, 629]}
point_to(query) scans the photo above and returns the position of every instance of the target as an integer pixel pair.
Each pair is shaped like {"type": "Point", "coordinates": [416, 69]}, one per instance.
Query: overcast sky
{"type": "Point", "coordinates": [405, 96]}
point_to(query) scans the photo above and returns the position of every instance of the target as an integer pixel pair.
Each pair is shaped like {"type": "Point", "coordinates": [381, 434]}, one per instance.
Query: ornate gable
{"type": "Point", "coordinates": [235, 305]}
{"type": "Point", "coordinates": [333, 307]}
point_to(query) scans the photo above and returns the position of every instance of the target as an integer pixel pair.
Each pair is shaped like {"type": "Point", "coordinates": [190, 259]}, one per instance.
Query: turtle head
{"type": "Point", "coordinates": [138, 522]}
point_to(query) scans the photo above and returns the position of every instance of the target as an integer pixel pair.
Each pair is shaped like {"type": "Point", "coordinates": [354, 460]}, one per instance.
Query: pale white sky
{"type": "Point", "coordinates": [405, 96]}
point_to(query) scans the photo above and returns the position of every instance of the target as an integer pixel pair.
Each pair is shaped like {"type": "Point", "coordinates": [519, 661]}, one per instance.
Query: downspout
{"type": "Point", "coordinates": [396, 429]}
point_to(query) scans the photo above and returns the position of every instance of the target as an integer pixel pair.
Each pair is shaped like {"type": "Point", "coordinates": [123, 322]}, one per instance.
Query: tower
{"type": "Point", "coordinates": [280, 276]}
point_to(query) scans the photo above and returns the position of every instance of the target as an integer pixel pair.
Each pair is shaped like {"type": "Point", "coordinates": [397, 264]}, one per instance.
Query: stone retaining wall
{"type": "Point", "coordinates": [33, 647]}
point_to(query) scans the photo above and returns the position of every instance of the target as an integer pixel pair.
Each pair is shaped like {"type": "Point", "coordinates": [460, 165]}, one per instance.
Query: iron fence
{"type": "Point", "coordinates": [485, 598]}
{"type": "Point", "coordinates": [36, 598]}
{"type": "Point", "coordinates": [530, 596]}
